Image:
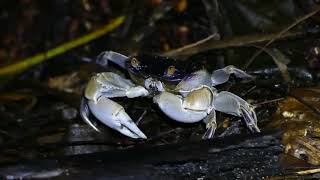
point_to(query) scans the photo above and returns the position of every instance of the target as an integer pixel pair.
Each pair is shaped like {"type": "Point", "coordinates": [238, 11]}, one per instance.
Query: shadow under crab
{"type": "Point", "coordinates": [182, 96]}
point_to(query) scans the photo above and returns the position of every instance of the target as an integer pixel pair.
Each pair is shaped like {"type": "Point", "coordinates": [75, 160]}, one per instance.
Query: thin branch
{"type": "Point", "coordinates": [209, 43]}
{"type": "Point", "coordinates": [189, 46]}
{"type": "Point", "coordinates": [307, 104]}
{"type": "Point", "coordinates": [269, 101]}
{"type": "Point", "coordinates": [309, 171]}
{"type": "Point", "coordinates": [40, 57]}
{"type": "Point", "coordinates": [280, 34]}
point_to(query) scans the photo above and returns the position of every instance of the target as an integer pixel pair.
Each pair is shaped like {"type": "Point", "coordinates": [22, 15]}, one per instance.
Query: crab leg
{"type": "Point", "coordinates": [221, 76]}
{"type": "Point", "coordinates": [232, 104]}
{"type": "Point", "coordinates": [104, 58]}
{"type": "Point", "coordinates": [211, 125]}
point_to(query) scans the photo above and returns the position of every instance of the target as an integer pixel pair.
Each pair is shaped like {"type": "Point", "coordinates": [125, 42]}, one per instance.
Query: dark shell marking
{"type": "Point", "coordinates": [157, 66]}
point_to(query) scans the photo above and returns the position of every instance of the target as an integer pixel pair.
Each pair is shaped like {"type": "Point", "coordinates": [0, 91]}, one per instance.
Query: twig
{"type": "Point", "coordinates": [280, 60]}
{"type": "Point", "coordinates": [268, 101]}
{"type": "Point", "coordinates": [206, 44]}
{"type": "Point", "coordinates": [189, 46]}
{"type": "Point", "coordinates": [280, 34]}
{"type": "Point", "coordinates": [212, 10]}
{"type": "Point", "coordinates": [157, 14]}
{"type": "Point", "coordinates": [307, 104]}
{"type": "Point", "coordinates": [249, 90]}
{"type": "Point", "coordinates": [162, 134]}
{"type": "Point", "coordinates": [309, 171]}
{"type": "Point", "coordinates": [141, 117]}
{"type": "Point", "coordinates": [40, 57]}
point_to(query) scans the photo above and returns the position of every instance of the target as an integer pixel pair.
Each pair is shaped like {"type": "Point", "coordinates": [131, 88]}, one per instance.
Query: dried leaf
{"type": "Point", "coordinates": [300, 124]}
{"type": "Point", "coordinates": [281, 61]}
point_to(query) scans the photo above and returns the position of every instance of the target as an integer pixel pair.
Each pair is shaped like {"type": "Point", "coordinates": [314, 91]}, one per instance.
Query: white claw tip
{"type": "Point", "coordinates": [143, 136]}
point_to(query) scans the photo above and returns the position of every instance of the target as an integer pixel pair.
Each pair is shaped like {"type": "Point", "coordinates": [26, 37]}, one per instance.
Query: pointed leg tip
{"type": "Point", "coordinates": [96, 129]}
{"type": "Point", "coordinates": [205, 137]}
{"type": "Point", "coordinates": [136, 136]}
{"type": "Point", "coordinates": [254, 129]}
{"type": "Point", "coordinates": [209, 134]}
{"type": "Point", "coordinates": [92, 125]}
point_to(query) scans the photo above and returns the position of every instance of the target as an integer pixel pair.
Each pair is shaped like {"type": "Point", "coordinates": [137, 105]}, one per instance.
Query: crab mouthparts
{"type": "Point", "coordinates": [153, 85]}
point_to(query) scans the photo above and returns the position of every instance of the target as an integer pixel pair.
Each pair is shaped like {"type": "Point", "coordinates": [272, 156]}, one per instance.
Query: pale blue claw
{"type": "Point", "coordinates": [113, 115]}
{"type": "Point", "coordinates": [99, 89]}
{"type": "Point", "coordinates": [85, 112]}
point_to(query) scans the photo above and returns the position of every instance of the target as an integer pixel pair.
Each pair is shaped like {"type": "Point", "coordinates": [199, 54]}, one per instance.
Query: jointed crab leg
{"type": "Point", "coordinates": [232, 104]}
{"type": "Point", "coordinates": [211, 125]}
{"type": "Point", "coordinates": [221, 76]}
{"type": "Point", "coordinates": [250, 118]}
{"type": "Point", "coordinates": [112, 56]}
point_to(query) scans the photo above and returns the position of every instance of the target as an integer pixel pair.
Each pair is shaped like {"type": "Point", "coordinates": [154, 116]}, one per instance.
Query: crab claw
{"type": "Point", "coordinates": [175, 107]}
{"type": "Point", "coordinates": [85, 112]}
{"type": "Point", "coordinates": [231, 104]}
{"type": "Point", "coordinates": [113, 115]}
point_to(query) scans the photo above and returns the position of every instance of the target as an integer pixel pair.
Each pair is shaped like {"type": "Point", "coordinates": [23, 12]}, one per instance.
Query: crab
{"type": "Point", "coordinates": [182, 96]}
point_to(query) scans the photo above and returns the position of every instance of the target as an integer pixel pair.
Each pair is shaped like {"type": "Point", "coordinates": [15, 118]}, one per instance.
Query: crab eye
{"type": "Point", "coordinates": [135, 63]}
{"type": "Point", "coordinates": [171, 72]}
